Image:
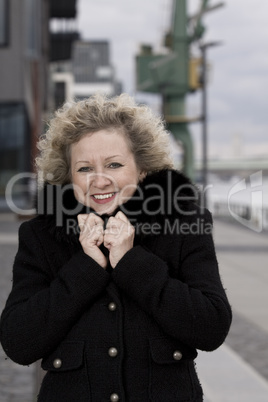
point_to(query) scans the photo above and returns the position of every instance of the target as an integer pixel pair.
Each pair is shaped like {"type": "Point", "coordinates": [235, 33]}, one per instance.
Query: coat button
{"type": "Point", "coordinates": [57, 363]}
{"type": "Point", "coordinates": [112, 352]}
{"type": "Point", "coordinates": [177, 355]}
{"type": "Point", "coordinates": [112, 306]}
{"type": "Point", "coordinates": [114, 398]}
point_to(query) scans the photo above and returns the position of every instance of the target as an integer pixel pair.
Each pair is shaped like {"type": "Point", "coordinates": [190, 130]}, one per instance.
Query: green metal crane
{"type": "Point", "coordinates": [175, 74]}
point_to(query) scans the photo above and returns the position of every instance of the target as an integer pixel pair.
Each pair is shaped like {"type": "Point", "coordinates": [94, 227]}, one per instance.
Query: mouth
{"type": "Point", "coordinates": [103, 198]}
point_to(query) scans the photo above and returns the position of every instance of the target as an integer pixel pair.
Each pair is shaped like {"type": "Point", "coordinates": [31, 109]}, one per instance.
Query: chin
{"type": "Point", "coordinates": [105, 210]}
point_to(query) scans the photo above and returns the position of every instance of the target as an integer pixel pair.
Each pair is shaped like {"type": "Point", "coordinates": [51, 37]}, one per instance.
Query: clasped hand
{"type": "Point", "coordinates": [118, 237]}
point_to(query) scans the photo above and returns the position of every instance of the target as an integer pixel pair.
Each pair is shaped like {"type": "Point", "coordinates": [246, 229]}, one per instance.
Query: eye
{"type": "Point", "coordinates": [115, 165]}
{"type": "Point", "coordinates": [84, 169]}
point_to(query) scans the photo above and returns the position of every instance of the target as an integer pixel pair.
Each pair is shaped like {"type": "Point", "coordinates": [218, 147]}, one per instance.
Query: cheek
{"type": "Point", "coordinates": [80, 190]}
{"type": "Point", "coordinates": [80, 180]}
{"type": "Point", "coordinates": [79, 186]}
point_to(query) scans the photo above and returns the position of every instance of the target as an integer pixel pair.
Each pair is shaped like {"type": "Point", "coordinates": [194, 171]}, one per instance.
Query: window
{"type": "Point", "coordinates": [33, 32]}
{"type": "Point", "coordinates": [59, 94]}
{"type": "Point", "coordinates": [14, 142]}
{"type": "Point", "coordinates": [3, 22]}
{"type": "Point", "coordinates": [12, 118]}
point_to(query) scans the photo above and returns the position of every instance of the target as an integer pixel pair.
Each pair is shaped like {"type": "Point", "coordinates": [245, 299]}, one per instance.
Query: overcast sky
{"type": "Point", "coordinates": [238, 78]}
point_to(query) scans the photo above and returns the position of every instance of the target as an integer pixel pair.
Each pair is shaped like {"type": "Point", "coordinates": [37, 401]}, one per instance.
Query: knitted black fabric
{"type": "Point", "coordinates": [167, 291]}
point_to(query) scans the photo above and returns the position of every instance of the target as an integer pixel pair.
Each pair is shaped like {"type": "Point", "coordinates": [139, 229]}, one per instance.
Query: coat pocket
{"type": "Point", "coordinates": [67, 375]}
{"type": "Point", "coordinates": [68, 356]}
{"type": "Point", "coordinates": [172, 374]}
{"type": "Point", "coordinates": [167, 351]}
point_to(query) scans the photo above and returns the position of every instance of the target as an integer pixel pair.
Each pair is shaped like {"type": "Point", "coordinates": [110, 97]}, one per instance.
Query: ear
{"type": "Point", "coordinates": [142, 176]}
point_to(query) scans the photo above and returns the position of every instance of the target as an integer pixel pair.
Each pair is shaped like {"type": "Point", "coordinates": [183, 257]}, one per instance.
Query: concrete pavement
{"type": "Point", "coordinates": [243, 259]}
{"type": "Point", "coordinates": [226, 377]}
{"type": "Point", "coordinates": [238, 371]}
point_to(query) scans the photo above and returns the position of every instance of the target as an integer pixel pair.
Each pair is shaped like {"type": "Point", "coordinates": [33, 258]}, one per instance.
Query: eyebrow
{"type": "Point", "coordinates": [106, 159]}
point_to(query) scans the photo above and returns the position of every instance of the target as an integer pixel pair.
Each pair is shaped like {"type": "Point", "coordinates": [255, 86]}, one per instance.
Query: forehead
{"type": "Point", "coordinates": [102, 142]}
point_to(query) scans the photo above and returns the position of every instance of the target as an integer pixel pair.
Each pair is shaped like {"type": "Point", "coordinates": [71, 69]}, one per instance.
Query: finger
{"type": "Point", "coordinates": [99, 241]}
{"type": "Point", "coordinates": [82, 218]}
{"type": "Point", "coordinates": [93, 220]}
{"type": "Point", "coordinates": [113, 230]}
{"type": "Point", "coordinates": [91, 230]}
{"type": "Point", "coordinates": [86, 220]}
{"type": "Point", "coordinates": [122, 217]}
{"type": "Point", "coordinates": [96, 218]}
{"type": "Point", "coordinates": [108, 241]}
{"type": "Point", "coordinates": [112, 223]}
{"type": "Point", "coordinates": [98, 228]}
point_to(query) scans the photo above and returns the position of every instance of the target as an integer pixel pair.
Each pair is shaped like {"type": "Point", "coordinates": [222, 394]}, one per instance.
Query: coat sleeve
{"type": "Point", "coordinates": [40, 310]}
{"type": "Point", "coordinates": [193, 309]}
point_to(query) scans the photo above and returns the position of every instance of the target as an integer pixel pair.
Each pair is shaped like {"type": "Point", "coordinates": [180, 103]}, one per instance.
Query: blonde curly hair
{"type": "Point", "coordinates": [144, 131]}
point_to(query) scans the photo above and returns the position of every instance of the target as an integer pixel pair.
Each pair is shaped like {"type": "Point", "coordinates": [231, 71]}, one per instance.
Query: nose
{"type": "Point", "coordinates": [100, 180]}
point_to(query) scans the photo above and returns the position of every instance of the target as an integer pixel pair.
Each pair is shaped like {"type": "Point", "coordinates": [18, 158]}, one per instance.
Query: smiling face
{"type": "Point", "coordinates": [103, 170]}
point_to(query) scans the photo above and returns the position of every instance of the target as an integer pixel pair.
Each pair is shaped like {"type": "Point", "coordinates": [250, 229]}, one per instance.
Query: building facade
{"type": "Point", "coordinates": [27, 47]}
{"type": "Point", "coordinates": [24, 47]}
{"type": "Point", "coordinates": [89, 71]}
{"type": "Point", "coordinates": [92, 69]}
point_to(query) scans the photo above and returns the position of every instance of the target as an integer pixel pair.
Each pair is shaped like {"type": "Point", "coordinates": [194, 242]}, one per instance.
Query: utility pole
{"type": "Point", "coordinates": [204, 123]}
{"type": "Point", "coordinates": [203, 48]}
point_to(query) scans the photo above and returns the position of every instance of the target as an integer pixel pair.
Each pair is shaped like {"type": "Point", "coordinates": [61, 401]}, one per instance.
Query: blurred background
{"type": "Point", "coordinates": [202, 65]}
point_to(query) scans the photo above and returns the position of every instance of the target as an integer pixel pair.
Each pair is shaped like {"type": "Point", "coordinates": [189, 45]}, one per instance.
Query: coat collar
{"type": "Point", "coordinates": [161, 195]}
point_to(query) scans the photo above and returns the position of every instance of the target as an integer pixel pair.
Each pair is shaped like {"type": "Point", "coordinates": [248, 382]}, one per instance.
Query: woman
{"type": "Point", "coordinates": [116, 282]}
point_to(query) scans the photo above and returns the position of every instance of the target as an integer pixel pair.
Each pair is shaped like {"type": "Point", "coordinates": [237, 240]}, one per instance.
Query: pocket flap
{"type": "Point", "coordinates": [165, 351]}
{"type": "Point", "coordinates": [68, 356]}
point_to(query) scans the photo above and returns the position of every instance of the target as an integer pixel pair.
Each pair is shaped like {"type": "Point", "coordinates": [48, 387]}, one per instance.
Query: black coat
{"type": "Point", "coordinates": [131, 332]}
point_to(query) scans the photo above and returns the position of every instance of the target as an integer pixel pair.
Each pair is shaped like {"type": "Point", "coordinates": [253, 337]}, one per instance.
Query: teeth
{"type": "Point", "coordinates": [103, 196]}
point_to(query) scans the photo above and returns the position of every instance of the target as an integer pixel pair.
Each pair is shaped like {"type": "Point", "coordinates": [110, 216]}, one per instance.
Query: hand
{"type": "Point", "coordinates": [91, 237]}
{"type": "Point", "coordinates": [118, 237]}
